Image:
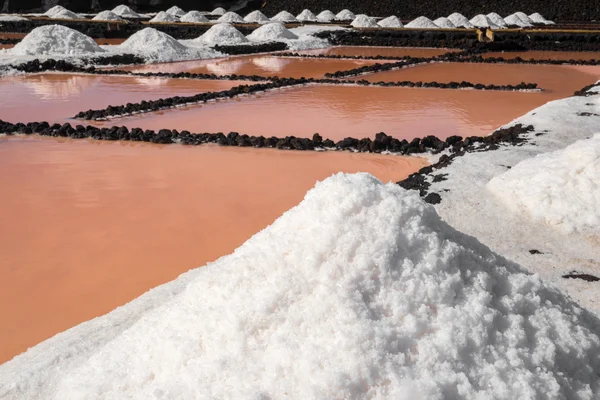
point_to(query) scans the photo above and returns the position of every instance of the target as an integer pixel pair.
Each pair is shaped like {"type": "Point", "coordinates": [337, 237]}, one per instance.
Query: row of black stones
{"type": "Point", "coordinates": [251, 49]}
{"type": "Point", "coordinates": [338, 56]}
{"type": "Point", "coordinates": [36, 65]}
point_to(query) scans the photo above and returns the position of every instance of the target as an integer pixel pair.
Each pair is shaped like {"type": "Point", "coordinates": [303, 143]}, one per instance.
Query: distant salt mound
{"type": "Point", "coordinates": [514, 20]}
{"type": "Point", "coordinates": [194, 16]}
{"type": "Point", "coordinates": [361, 290]}
{"type": "Point", "coordinates": [56, 40]}
{"type": "Point", "coordinates": [231, 17]}
{"type": "Point", "coordinates": [345, 15]}
{"type": "Point", "coordinates": [271, 32]}
{"type": "Point", "coordinates": [54, 10]}
{"type": "Point", "coordinates": [107, 16]}
{"type": "Point", "coordinates": [164, 17]}
{"type": "Point", "coordinates": [422, 23]}
{"type": "Point", "coordinates": [222, 33]}
{"type": "Point", "coordinates": [178, 12]}
{"type": "Point", "coordinates": [482, 21]}
{"type": "Point", "coordinates": [284, 16]}
{"type": "Point", "coordinates": [460, 21]}
{"type": "Point", "coordinates": [524, 17]}
{"type": "Point", "coordinates": [497, 20]}
{"type": "Point", "coordinates": [65, 14]}
{"type": "Point", "coordinates": [326, 16]}
{"type": "Point", "coordinates": [559, 188]}
{"type": "Point", "coordinates": [126, 12]}
{"type": "Point", "coordinates": [11, 18]}
{"type": "Point", "coordinates": [390, 22]}
{"type": "Point", "coordinates": [218, 11]}
{"type": "Point", "coordinates": [444, 23]}
{"type": "Point", "coordinates": [537, 18]}
{"type": "Point", "coordinates": [306, 15]}
{"type": "Point", "coordinates": [364, 21]}
{"type": "Point", "coordinates": [257, 17]}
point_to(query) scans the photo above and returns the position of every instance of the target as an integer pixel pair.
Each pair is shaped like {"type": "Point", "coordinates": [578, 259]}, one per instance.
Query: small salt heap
{"type": "Point", "coordinates": [194, 17]}
{"type": "Point", "coordinates": [284, 16]}
{"type": "Point", "coordinates": [306, 15]}
{"type": "Point", "coordinates": [444, 23]}
{"type": "Point", "coordinates": [422, 23]}
{"type": "Point", "coordinates": [56, 40]}
{"type": "Point", "coordinates": [326, 16]}
{"type": "Point", "coordinates": [497, 20]}
{"type": "Point", "coordinates": [345, 15]}
{"type": "Point", "coordinates": [537, 18]}
{"type": "Point", "coordinates": [523, 17]}
{"type": "Point", "coordinates": [460, 21]}
{"type": "Point", "coordinates": [126, 12]}
{"type": "Point", "coordinates": [65, 14]}
{"type": "Point", "coordinates": [164, 17]}
{"type": "Point", "coordinates": [178, 12]}
{"type": "Point", "coordinates": [390, 22]}
{"type": "Point", "coordinates": [231, 17]}
{"type": "Point", "coordinates": [364, 21]}
{"type": "Point", "coordinates": [218, 11]}
{"type": "Point", "coordinates": [273, 31]}
{"type": "Point", "coordinates": [107, 16]}
{"type": "Point", "coordinates": [54, 10]}
{"type": "Point", "coordinates": [223, 33]}
{"type": "Point", "coordinates": [514, 20]}
{"type": "Point", "coordinates": [257, 17]}
{"type": "Point", "coordinates": [482, 21]}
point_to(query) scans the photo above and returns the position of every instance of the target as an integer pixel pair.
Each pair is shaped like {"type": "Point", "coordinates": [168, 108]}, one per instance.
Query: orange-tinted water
{"type": "Point", "coordinates": [86, 226]}
{"type": "Point", "coordinates": [547, 55]}
{"type": "Point", "coordinates": [380, 51]}
{"type": "Point", "coordinates": [109, 41]}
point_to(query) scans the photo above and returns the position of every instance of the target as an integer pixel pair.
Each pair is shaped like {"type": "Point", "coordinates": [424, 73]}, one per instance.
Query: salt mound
{"type": "Point", "coordinates": [390, 22]}
{"type": "Point", "coordinates": [257, 17]}
{"type": "Point", "coordinates": [55, 40]}
{"type": "Point", "coordinates": [231, 17]}
{"type": "Point", "coordinates": [559, 188]}
{"type": "Point", "coordinates": [223, 33]}
{"type": "Point", "coordinates": [514, 20]}
{"type": "Point", "coordinates": [54, 10]}
{"type": "Point", "coordinates": [497, 19]}
{"type": "Point", "coordinates": [537, 18]}
{"type": "Point", "coordinates": [444, 22]}
{"type": "Point", "coordinates": [126, 12]}
{"type": "Point", "coordinates": [270, 32]}
{"type": "Point", "coordinates": [326, 16]}
{"type": "Point", "coordinates": [65, 14]}
{"type": "Point", "coordinates": [218, 11]}
{"type": "Point", "coordinates": [306, 15]}
{"type": "Point", "coordinates": [482, 21]}
{"type": "Point", "coordinates": [194, 16]}
{"type": "Point", "coordinates": [361, 290]}
{"type": "Point", "coordinates": [164, 17]}
{"type": "Point", "coordinates": [421, 23]}
{"type": "Point", "coordinates": [523, 17]}
{"type": "Point", "coordinates": [107, 16]}
{"type": "Point", "coordinates": [9, 18]}
{"type": "Point", "coordinates": [364, 21]}
{"type": "Point", "coordinates": [176, 11]}
{"type": "Point", "coordinates": [460, 21]}
{"type": "Point", "coordinates": [284, 16]}
{"type": "Point", "coordinates": [345, 15]}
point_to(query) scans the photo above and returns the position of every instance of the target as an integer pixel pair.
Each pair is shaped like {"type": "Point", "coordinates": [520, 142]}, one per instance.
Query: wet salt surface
{"type": "Point", "coordinates": [380, 51]}
{"type": "Point", "coordinates": [546, 55]}
{"type": "Point", "coordinates": [86, 226]}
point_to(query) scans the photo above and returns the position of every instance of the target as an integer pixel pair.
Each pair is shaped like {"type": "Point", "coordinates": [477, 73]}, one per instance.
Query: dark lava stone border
{"type": "Point", "coordinates": [251, 49]}
{"type": "Point", "coordinates": [401, 38]}
{"type": "Point", "coordinates": [36, 66]}
{"type": "Point", "coordinates": [478, 59]}
{"type": "Point", "coordinates": [342, 57]}
{"type": "Point", "coordinates": [580, 275]}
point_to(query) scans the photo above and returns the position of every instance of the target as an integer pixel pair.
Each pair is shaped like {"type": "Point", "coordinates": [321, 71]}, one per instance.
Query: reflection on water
{"type": "Point", "coordinates": [380, 51]}
{"type": "Point", "coordinates": [86, 226]}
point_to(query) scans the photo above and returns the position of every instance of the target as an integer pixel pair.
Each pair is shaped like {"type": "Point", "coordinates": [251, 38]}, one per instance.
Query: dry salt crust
{"type": "Point", "coordinates": [164, 17]}
{"type": "Point", "coordinates": [444, 23]}
{"type": "Point", "coordinates": [65, 14]}
{"type": "Point", "coordinates": [9, 18]}
{"type": "Point", "coordinates": [306, 15]}
{"type": "Point", "coordinates": [107, 16]}
{"type": "Point", "coordinates": [194, 17]}
{"type": "Point", "coordinates": [460, 21]}
{"type": "Point", "coordinates": [326, 16]}
{"type": "Point", "coordinates": [497, 19]}
{"type": "Point", "coordinates": [422, 23]}
{"type": "Point", "coordinates": [523, 17]}
{"type": "Point", "coordinates": [223, 34]}
{"type": "Point", "coordinates": [284, 16]}
{"type": "Point", "coordinates": [360, 291]}
{"type": "Point", "coordinates": [482, 21]}
{"type": "Point", "coordinates": [364, 21]}
{"type": "Point", "coordinates": [218, 11]}
{"type": "Point", "coordinates": [390, 22]}
{"type": "Point", "coordinates": [126, 12]}
{"type": "Point", "coordinates": [514, 20]}
{"type": "Point", "coordinates": [345, 15]}
{"type": "Point", "coordinates": [271, 32]}
{"type": "Point", "coordinates": [231, 17]}
{"type": "Point", "coordinates": [539, 19]}
{"type": "Point", "coordinates": [472, 207]}
{"type": "Point", "coordinates": [54, 10]}
{"type": "Point", "coordinates": [178, 12]}
{"type": "Point", "coordinates": [257, 17]}
{"type": "Point", "coordinates": [50, 40]}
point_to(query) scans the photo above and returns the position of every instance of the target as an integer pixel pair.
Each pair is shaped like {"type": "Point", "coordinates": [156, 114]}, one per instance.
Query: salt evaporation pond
{"type": "Point", "coordinates": [367, 51]}
{"type": "Point", "coordinates": [86, 226]}
{"type": "Point", "coordinates": [545, 55]}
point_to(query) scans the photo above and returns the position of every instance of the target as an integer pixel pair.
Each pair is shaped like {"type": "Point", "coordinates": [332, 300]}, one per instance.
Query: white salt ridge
{"type": "Point", "coordinates": [460, 21]}
{"type": "Point", "coordinates": [421, 23]}
{"type": "Point", "coordinates": [194, 16]}
{"type": "Point", "coordinates": [560, 188]}
{"type": "Point", "coordinates": [54, 10]}
{"type": "Point", "coordinates": [222, 33]}
{"type": "Point", "coordinates": [55, 40]}
{"type": "Point", "coordinates": [497, 20]}
{"type": "Point", "coordinates": [284, 16]}
{"type": "Point", "coordinates": [126, 12]}
{"type": "Point", "coordinates": [523, 17]}
{"type": "Point", "coordinates": [273, 31]}
{"type": "Point", "coordinates": [107, 16]}
{"type": "Point", "coordinates": [218, 11]}
{"type": "Point", "coordinates": [514, 20]}
{"type": "Point", "coordinates": [231, 17]}
{"type": "Point", "coordinates": [306, 15]}
{"type": "Point", "coordinates": [537, 18]}
{"type": "Point", "coordinates": [482, 21]}
{"type": "Point", "coordinates": [326, 16]}
{"type": "Point", "coordinates": [345, 15]}
{"type": "Point", "coordinates": [364, 21]}
{"type": "Point", "coordinates": [164, 17]}
{"type": "Point", "coordinates": [257, 17]}
{"type": "Point", "coordinates": [65, 14]}
{"type": "Point", "coordinates": [390, 22]}
{"type": "Point", "coordinates": [361, 290]}
{"type": "Point", "coordinates": [178, 12]}
{"type": "Point", "coordinates": [444, 23]}
{"type": "Point", "coordinates": [9, 18]}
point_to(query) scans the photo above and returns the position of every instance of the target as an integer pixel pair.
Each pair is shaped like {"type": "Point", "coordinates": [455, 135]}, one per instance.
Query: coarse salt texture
{"type": "Point", "coordinates": [497, 19]}
{"type": "Point", "coordinates": [56, 40]}
{"type": "Point", "coordinates": [65, 14]}
{"type": "Point", "coordinates": [361, 291]}
{"type": "Point", "coordinates": [194, 16]}
{"type": "Point", "coordinates": [326, 16]}
{"type": "Point", "coordinates": [345, 15]}
{"type": "Point", "coordinates": [482, 21]}
{"type": "Point", "coordinates": [257, 17]}
{"type": "Point", "coordinates": [444, 22]}
{"type": "Point", "coordinates": [126, 12]}
{"type": "Point", "coordinates": [231, 17]}
{"type": "Point", "coordinates": [390, 22]}
{"type": "Point", "coordinates": [164, 17]}
{"type": "Point", "coordinates": [537, 18]}
{"type": "Point", "coordinates": [364, 21]}
{"type": "Point", "coordinates": [560, 188]}
{"type": "Point", "coordinates": [218, 11]}
{"type": "Point", "coordinates": [223, 33]}
{"type": "Point", "coordinates": [107, 16]}
{"type": "Point", "coordinates": [524, 17]}
{"type": "Point", "coordinates": [176, 11]}
{"type": "Point", "coordinates": [271, 32]}
{"type": "Point", "coordinates": [515, 20]}
{"type": "Point", "coordinates": [306, 15]}
{"type": "Point", "coordinates": [460, 21]}
{"type": "Point", "coordinates": [422, 23]}
{"type": "Point", "coordinates": [54, 10]}
{"type": "Point", "coordinates": [284, 16]}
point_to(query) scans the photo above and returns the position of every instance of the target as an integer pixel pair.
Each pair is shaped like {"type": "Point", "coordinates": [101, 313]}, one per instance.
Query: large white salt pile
{"type": "Point", "coordinates": [218, 11]}
{"type": "Point", "coordinates": [271, 32]}
{"type": "Point", "coordinates": [164, 17]}
{"type": "Point", "coordinates": [421, 23]}
{"type": "Point", "coordinates": [306, 15]}
{"type": "Point", "coordinates": [194, 16]}
{"type": "Point", "coordinates": [345, 15]}
{"type": "Point", "coordinates": [9, 18]}
{"type": "Point", "coordinates": [222, 33]}
{"type": "Point", "coordinates": [126, 12]}
{"type": "Point", "coordinates": [359, 292]}
{"type": "Point", "coordinates": [444, 23]}
{"type": "Point", "coordinates": [325, 16]}
{"type": "Point", "coordinates": [231, 17]}
{"type": "Point", "coordinates": [514, 20]}
{"type": "Point", "coordinates": [497, 19]}
{"type": "Point", "coordinates": [107, 16]}
{"type": "Point", "coordinates": [364, 21]}
{"type": "Point", "coordinates": [390, 22]}
{"type": "Point", "coordinates": [482, 21]}
{"type": "Point", "coordinates": [537, 18]}
{"type": "Point", "coordinates": [460, 21]}
{"type": "Point", "coordinates": [558, 188]}
{"type": "Point", "coordinates": [257, 17]}
{"type": "Point", "coordinates": [524, 17]}
{"type": "Point", "coordinates": [284, 16]}
{"type": "Point", "coordinates": [176, 11]}
{"type": "Point", "coordinates": [54, 10]}
{"type": "Point", "coordinates": [55, 40]}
